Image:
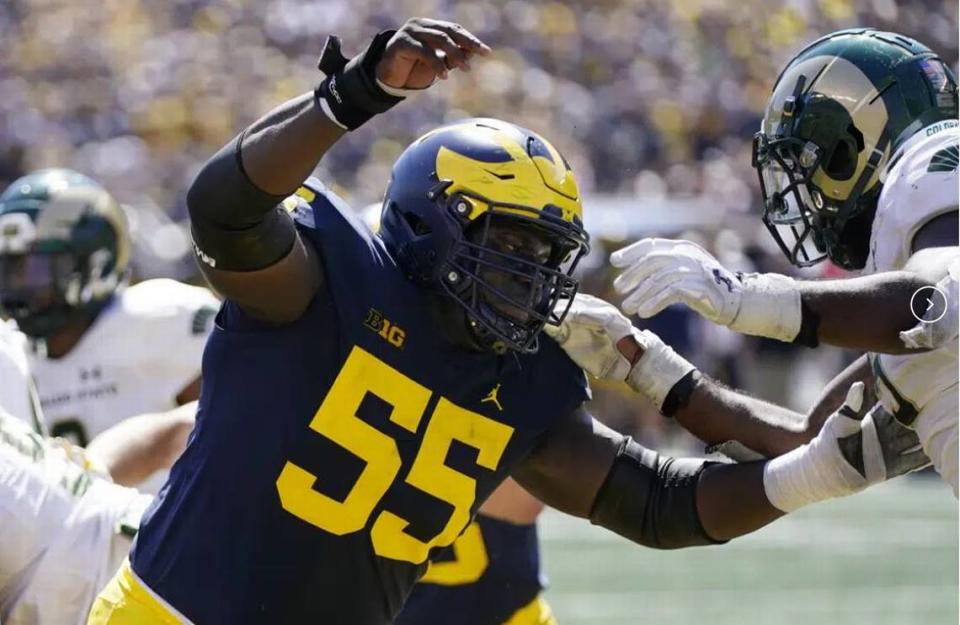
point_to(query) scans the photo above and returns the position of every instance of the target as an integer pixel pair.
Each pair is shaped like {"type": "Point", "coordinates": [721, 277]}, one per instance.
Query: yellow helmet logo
{"type": "Point", "coordinates": [518, 178]}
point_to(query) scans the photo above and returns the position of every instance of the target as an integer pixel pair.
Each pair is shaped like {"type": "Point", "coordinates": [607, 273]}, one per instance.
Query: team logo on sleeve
{"type": "Point", "coordinates": [945, 160]}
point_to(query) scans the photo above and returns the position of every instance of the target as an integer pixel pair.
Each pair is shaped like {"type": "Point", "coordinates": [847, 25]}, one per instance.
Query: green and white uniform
{"type": "Point", "coordinates": [920, 389]}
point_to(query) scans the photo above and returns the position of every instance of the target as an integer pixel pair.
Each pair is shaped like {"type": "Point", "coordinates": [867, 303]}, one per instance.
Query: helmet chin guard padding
{"type": "Point", "coordinates": [839, 111]}
{"type": "Point", "coordinates": [449, 195]}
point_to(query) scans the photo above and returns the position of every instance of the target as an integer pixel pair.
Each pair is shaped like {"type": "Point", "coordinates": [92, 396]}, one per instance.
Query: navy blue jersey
{"type": "Point", "coordinates": [333, 455]}
{"type": "Point", "coordinates": [492, 571]}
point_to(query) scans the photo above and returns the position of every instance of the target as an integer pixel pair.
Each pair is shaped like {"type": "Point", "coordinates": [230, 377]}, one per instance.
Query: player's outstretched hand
{"type": "Point", "coordinates": [603, 342]}
{"type": "Point", "coordinates": [661, 272]}
{"type": "Point", "coordinates": [658, 273]}
{"type": "Point", "coordinates": [851, 452]}
{"type": "Point", "coordinates": [424, 50]}
{"type": "Point", "coordinates": [590, 333]}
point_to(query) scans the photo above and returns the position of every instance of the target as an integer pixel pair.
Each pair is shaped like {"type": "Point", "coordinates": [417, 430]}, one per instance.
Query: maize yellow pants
{"type": "Point", "coordinates": [126, 601]}
{"type": "Point", "coordinates": [537, 612]}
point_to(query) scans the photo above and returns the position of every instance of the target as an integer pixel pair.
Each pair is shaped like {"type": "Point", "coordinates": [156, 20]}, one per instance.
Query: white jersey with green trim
{"type": "Point", "coordinates": [141, 351]}
{"type": "Point", "coordinates": [921, 389]}
{"type": "Point", "coordinates": [65, 527]}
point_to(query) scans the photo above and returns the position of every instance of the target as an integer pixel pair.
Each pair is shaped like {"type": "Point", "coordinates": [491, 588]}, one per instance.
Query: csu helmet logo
{"type": "Point", "coordinates": [17, 233]}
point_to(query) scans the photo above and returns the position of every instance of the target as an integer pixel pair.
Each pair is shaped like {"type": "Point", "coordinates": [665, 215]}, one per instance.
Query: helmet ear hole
{"type": "Point", "coordinates": [418, 226]}
{"type": "Point", "coordinates": [843, 160]}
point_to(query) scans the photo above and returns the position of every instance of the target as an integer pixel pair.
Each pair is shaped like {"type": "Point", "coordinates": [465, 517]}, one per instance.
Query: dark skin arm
{"type": "Point", "coordinates": [716, 414]}
{"type": "Point", "coordinates": [885, 295]}
{"type": "Point", "coordinates": [282, 148]}
{"type": "Point", "coordinates": [570, 466]}
{"type": "Point", "coordinates": [136, 447]}
{"type": "Point", "coordinates": [189, 393]}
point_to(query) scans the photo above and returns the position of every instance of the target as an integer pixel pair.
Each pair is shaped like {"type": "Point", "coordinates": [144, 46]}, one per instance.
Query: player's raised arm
{"type": "Point", "coordinates": [247, 244]}
{"type": "Point", "coordinates": [585, 469]}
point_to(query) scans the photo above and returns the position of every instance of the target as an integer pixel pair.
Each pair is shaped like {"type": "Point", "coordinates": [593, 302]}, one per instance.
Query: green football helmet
{"type": "Point", "coordinates": [839, 111]}
{"type": "Point", "coordinates": [64, 249]}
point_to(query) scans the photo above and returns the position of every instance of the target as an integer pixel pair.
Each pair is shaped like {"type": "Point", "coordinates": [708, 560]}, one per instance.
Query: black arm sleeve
{"type": "Point", "coordinates": [236, 226]}
{"type": "Point", "coordinates": [651, 499]}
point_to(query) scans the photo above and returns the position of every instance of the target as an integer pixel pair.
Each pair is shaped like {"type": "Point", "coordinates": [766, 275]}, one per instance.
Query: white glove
{"type": "Point", "coordinates": [589, 334]}
{"type": "Point", "coordinates": [849, 454]}
{"type": "Point", "coordinates": [934, 334]}
{"type": "Point", "coordinates": [662, 272]}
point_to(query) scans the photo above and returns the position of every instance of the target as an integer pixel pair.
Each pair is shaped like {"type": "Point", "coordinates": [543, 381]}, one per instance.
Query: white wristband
{"type": "Point", "coordinates": [397, 92]}
{"type": "Point", "coordinates": [804, 476]}
{"type": "Point", "coordinates": [770, 307]}
{"type": "Point", "coordinates": [325, 107]}
{"type": "Point", "coordinates": [658, 370]}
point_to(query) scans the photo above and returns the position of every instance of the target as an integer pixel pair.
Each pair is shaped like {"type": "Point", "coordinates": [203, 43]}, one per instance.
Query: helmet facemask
{"type": "Point", "coordinates": [808, 222]}
{"type": "Point", "coordinates": [511, 273]}
{"type": "Point", "coordinates": [34, 288]}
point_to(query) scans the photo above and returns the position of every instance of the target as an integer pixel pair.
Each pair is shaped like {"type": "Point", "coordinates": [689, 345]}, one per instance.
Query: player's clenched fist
{"type": "Point", "coordinates": [424, 50]}
{"type": "Point", "coordinates": [394, 63]}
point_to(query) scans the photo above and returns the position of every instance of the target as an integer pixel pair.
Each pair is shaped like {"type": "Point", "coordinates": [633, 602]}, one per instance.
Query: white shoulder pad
{"type": "Point", "coordinates": [920, 185]}
{"type": "Point", "coordinates": [162, 324]}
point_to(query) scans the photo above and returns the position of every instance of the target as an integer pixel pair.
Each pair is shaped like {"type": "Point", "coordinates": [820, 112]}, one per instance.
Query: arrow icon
{"type": "Point", "coordinates": [929, 305]}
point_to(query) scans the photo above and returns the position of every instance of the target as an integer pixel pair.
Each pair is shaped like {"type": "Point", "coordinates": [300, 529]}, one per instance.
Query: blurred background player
{"type": "Point", "coordinates": [66, 526]}
{"type": "Point", "coordinates": [857, 158]}
{"type": "Point", "coordinates": [102, 352]}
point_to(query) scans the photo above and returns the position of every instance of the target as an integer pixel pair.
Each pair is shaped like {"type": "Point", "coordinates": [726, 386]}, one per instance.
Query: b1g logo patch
{"type": "Point", "coordinates": [381, 325]}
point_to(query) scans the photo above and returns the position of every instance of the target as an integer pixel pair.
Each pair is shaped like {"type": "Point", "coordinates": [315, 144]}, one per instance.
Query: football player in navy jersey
{"type": "Point", "coordinates": [363, 394]}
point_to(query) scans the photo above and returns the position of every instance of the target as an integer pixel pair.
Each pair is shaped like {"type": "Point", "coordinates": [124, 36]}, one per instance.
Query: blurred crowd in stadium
{"type": "Point", "coordinates": [650, 100]}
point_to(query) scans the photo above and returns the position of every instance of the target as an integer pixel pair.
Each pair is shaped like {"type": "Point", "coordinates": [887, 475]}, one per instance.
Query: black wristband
{"type": "Point", "coordinates": [350, 90]}
{"type": "Point", "coordinates": [679, 396]}
{"type": "Point", "coordinates": [809, 326]}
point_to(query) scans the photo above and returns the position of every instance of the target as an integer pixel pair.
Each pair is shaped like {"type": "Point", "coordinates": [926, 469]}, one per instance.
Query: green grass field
{"type": "Point", "coordinates": [884, 557]}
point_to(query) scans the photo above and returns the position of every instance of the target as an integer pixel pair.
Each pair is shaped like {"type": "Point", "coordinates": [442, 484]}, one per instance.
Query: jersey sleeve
{"type": "Point", "coordinates": [920, 186]}
{"type": "Point", "coordinates": [172, 321]}
{"type": "Point", "coordinates": [315, 206]}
